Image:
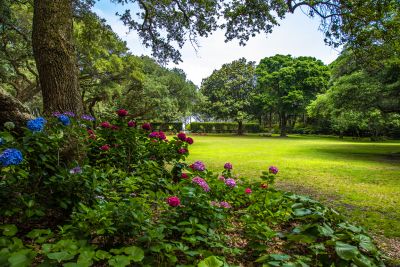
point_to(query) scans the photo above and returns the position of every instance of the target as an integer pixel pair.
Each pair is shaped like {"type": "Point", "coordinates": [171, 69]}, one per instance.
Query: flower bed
{"type": "Point", "coordinates": [122, 194]}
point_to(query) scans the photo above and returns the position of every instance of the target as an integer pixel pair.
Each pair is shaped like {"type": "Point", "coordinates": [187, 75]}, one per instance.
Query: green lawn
{"type": "Point", "coordinates": [361, 179]}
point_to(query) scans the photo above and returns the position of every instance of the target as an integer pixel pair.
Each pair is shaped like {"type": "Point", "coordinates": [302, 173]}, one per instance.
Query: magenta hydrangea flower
{"type": "Point", "coordinates": [248, 191]}
{"type": "Point", "coordinates": [158, 135]}
{"type": "Point", "coordinates": [273, 170]}
{"type": "Point", "coordinates": [122, 112]}
{"type": "Point", "coordinates": [198, 166]}
{"type": "Point", "coordinates": [189, 140]}
{"type": "Point", "coordinates": [224, 204]}
{"type": "Point", "coordinates": [105, 124]}
{"type": "Point", "coordinates": [181, 136]}
{"type": "Point", "coordinates": [230, 182]}
{"type": "Point", "coordinates": [201, 182]}
{"type": "Point", "coordinates": [173, 201]}
{"type": "Point", "coordinates": [146, 126]}
{"type": "Point", "coordinates": [182, 151]}
{"type": "Point", "coordinates": [184, 176]}
{"type": "Point", "coordinates": [131, 124]}
{"type": "Point", "coordinates": [228, 166]}
{"type": "Point", "coordinates": [105, 147]}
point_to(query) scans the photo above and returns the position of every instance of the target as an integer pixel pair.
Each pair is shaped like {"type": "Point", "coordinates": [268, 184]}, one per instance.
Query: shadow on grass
{"type": "Point", "coordinates": [366, 152]}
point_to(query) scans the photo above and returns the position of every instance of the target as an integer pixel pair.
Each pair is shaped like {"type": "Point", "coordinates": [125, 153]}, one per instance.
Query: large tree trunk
{"type": "Point", "coordinates": [13, 110]}
{"type": "Point", "coordinates": [52, 41]}
{"type": "Point", "coordinates": [283, 122]}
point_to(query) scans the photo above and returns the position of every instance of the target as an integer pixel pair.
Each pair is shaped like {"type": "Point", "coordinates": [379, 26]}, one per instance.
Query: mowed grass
{"type": "Point", "coordinates": [360, 179]}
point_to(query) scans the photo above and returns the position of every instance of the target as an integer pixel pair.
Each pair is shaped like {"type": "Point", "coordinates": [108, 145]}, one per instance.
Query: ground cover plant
{"type": "Point", "coordinates": [128, 197]}
{"type": "Point", "coordinates": [357, 177]}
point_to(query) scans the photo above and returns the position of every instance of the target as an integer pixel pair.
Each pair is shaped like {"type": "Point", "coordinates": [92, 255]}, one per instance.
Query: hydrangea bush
{"type": "Point", "coordinates": [132, 200]}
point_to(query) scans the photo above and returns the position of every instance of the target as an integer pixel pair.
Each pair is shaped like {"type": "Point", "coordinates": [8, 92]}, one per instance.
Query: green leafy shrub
{"type": "Point", "coordinates": [137, 202]}
{"type": "Point", "coordinates": [222, 127]}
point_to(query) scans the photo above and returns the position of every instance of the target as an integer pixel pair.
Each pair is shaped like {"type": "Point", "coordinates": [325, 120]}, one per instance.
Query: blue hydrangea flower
{"type": "Point", "coordinates": [2, 141]}
{"type": "Point", "coordinates": [36, 125]}
{"type": "Point", "coordinates": [64, 120]}
{"type": "Point", "coordinates": [10, 156]}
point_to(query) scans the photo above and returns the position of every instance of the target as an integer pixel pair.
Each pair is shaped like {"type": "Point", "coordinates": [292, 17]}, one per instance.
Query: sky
{"type": "Point", "coordinates": [297, 35]}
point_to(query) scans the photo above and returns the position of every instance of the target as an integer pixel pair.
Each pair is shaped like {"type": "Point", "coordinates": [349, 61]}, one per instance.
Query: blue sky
{"type": "Point", "coordinates": [297, 35]}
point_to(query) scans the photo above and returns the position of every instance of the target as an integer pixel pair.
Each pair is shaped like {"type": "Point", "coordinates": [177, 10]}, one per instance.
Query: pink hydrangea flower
{"type": "Point", "coordinates": [230, 182]}
{"type": "Point", "coordinates": [221, 178]}
{"type": "Point", "coordinates": [201, 182]}
{"type": "Point", "coordinates": [228, 166]}
{"type": "Point", "coordinates": [248, 191]}
{"type": "Point", "coordinates": [198, 166]}
{"type": "Point", "coordinates": [224, 204]}
{"type": "Point", "coordinates": [173, 201]}
{"type": "Point", "coordinates": [273, 170]}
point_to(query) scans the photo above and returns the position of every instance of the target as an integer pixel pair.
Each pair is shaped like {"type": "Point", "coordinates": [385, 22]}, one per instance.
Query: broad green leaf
{"type": "Point", "coordinates": [279, 257]}
{"type": "Point", "coordinates": [346, 251]}
{"type": "Point", "coordinates": [119, 261]}
{"type": "Point", "coordinates": [363, 261]}
{"type": "Point", "coordinates": [325, 230]}
{"type": "Point", "coordinates": [301, 212]}
{"type": "Point", "coordinates": [211, 261]}
{"type": "Point", "coordinates": [366, 243]}
{"type": "Point", "coordinates": [61, 256]}
{"type": "Point", "coordinates": [135, 253]}
{"type": "Point", "coordinates": [18, 260]}
{"type": "Point", "coordinates": [101, 255]}
{"type": "Point", "coordinates": [9, 229]}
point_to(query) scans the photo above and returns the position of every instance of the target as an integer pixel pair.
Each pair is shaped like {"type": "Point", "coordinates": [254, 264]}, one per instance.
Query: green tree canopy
{"type": "Point", "coordinates": [229, 90]}
{"type": "Point", "coordinates": [290, 83]}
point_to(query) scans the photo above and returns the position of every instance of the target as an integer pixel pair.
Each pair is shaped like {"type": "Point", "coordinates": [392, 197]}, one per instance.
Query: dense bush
{"type": "Point", "coordinates": [222, 127]}
{"type": "Point", "coordinates": [175, 127]}
{"type": "Point", "coordinates": [129, 198]}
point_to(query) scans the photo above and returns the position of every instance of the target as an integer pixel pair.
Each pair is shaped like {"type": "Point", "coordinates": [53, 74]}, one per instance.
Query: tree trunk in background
{"type": "Point", "coordinates": [240, 127]}
{"type": "Point", "coordinates": [52, 41]}
{"type": "Point", "coordinates": [13, 110]}
{"type": "Point", "coordinates": [283, 122]}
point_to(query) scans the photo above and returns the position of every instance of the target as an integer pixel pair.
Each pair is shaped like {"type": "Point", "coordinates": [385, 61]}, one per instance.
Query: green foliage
{"type": "Point", "coordinates": [228, 91]}
{"type": "Point", "coordinates": [120, 207]}
{"type": "Point", "coordinates": [359, 102]}
{"type": "Point", "coordinates": [287, 84]}
{"type": "Point", "coordinates": [222, 127]}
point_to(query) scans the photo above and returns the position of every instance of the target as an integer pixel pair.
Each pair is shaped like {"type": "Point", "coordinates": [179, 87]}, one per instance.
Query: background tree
{"type": "Point", "coordinates": [165, 95]}
{"type": "Point", "coordinates": [291, 84]}
{"type": "Point", "coordinates": [229, 90]}
{"type": "Point", "coordinates": [368, 99]}
{"type": "Point", "coordinates": [159, 29]}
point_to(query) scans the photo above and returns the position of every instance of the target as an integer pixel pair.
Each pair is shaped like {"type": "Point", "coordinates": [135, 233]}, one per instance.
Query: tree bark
{"type": "Point", "coordinates": [283, 122]}
{"type": "Point", "coordinates": [54, 52]}
{"type": "Point", "coordinates": [13, 110]}
{"type": "Point", "coordinates": [240, 128]}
